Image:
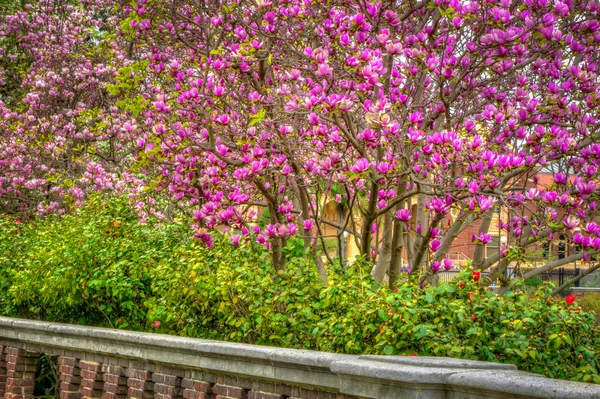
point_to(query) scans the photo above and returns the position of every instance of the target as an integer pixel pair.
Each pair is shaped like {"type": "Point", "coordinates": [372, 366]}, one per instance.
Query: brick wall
{"type": "Point", "coordinates": [110, 364]}
{"type": "Point", "coordinates": [86, 376]}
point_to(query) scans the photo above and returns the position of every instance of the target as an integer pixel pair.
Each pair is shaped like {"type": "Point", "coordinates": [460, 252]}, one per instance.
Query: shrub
{"type": "Point", "coordinates": [94, 267]}
{"type": "Point", "coordinates": [535, 281]}
{"type": "Point", "coordinates": [590, 302]}
{"type": "Point", "coordinates": [102, 267]}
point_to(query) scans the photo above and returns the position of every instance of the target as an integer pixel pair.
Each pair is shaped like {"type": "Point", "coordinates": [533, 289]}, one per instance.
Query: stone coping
{"type": "Point", "coordinates": [361, 376]}
{"type": "Point", "coordinates": [585, 289]}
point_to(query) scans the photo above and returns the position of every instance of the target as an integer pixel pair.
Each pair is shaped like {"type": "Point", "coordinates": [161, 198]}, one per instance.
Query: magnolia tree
{"type": "Point", "coordinates": [61, 135]}
{"type": "Point", "coordinates": [417, 119]}
{"type": "Point", "coordinates": [452, 106]}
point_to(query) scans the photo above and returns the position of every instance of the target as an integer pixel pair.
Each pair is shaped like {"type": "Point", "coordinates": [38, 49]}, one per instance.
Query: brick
{"type": "Point", "coordinates": [164, 379]}
{"type": "Point", "coordinates": [24, 367]}
{"type": "Point", "coordinates": [116, 389]}
{"type": "Point", "coordinates": [68, 370]}
{"type": "Point", "coordinates": [140, 384]}
{"type": "Point", "coordinates": [91, 366]}
{"type": "Point", "coordinates": [71, 379]}
{"type": "Point", "coordinates": [17, 352]}
{"type": "Point", "coordinates": [167, 370]}
{"type": "Point", "coordinates": [139, 374]}
{"type": "Point", "coordinates": [165, 389]}
{"type": "Point", "coordinates": [69, 395]}
{"type": "Point", "coordinates": [22, 382]}
{"type": "Point", "coordinates": [234, 381]}
{"type": "Point", "coordinates": [91, 393]}
{"type": "Point", "coordinates": [110, 395]}
{"type": "Point", "coordinates": [115, 379]}
{"type": "Point", "coordinates": [261, 386]}
{"type": "Point", "coordinates": [190, 394]}
{"type": "Point", "coordinates": [202, 386]}
{"type": "Point", "coordinates": [64, 386]}
{"type": "Point", "coordinates": [139, 394]}
{"type": "Point", "coordinates": [13, 396]}
{"type": "Point", "coordinates": [112, 369]}
{"type": "Point", "coordinates": [17, 389]}
{"type": "Point", "coordinates": [67, 361]}
{"type": "Point", "coordinates": [12, 360]}
{"type": "Point", "coordinates": [310, 394]}
{"type": "Point", "coordinates": [229, 391]}
{"type": "Point", "coordinates": [92, 384]}
{"type": "Point", "coordinates": [264, 395]}
{"type": "Point", "coordinates": [90, 375]}
{"type": "Point", "coordinates": [20, 374]}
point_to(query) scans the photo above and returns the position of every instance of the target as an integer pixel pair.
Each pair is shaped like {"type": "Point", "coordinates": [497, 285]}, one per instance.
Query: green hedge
{"type": "Point", "coordinates": [101, 267]}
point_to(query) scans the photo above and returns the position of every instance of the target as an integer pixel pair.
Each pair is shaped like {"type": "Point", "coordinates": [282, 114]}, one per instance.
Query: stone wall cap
{"type": "Point", "coordinates": [440, 362]}
{"type": "Point", "coordinates": [375, 370]}
{"type": "Point", "coordinates": [585, 289]}
{"type": "Point", "coordinates": [332, 369]}
{"type": "Point", "coordinates": [525, 384]}
{"type": "Point", "coordinates": [256, 353]}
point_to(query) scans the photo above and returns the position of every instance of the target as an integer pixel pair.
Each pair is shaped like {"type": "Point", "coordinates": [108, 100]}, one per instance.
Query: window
{"type": "Point", "coordinates": [562, 246]}
{"type": "Point", "coordinates": [492, 247]}
{"type": "Point", "coordinates": [546, 251]}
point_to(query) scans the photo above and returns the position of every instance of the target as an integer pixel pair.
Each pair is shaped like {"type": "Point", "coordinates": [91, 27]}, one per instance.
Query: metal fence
{"type": "Point", "coordinates": [557, 277]}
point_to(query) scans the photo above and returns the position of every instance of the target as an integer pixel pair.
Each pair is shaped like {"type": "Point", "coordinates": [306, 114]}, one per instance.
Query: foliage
{"type": "Point", "coordinates": [590, 302]}
{"type": "Point", "coordinates": [89, 266]}
{"type": "Point", "coordinates": [535, 281]}
{"type": "Point", "coordinates": [456, 107]}
{"type": "Point", "coordinates": [102, 267]}
{"type": "Point", "coordinates": [210, 109]}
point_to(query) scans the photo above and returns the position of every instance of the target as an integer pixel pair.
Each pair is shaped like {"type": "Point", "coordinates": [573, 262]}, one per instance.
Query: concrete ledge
{"type": "Point", "coordinates": [355, 376]}
{"type": "Point", "coordinates": [585, 289]}
{"type": "Point", "coordinates": [520, 384]}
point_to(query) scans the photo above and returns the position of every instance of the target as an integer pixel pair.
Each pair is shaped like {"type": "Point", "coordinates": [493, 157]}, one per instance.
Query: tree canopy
{"type": "Point", "coordinates": [205, 110]}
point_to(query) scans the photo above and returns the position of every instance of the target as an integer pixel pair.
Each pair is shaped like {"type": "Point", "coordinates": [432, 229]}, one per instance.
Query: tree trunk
{"type": "Point", "coordinates": [277, 255]}
{"type": "Point", "coordinates": [396, 261]}
{"type": "Point", "coordinates": [479, 254]}
{"type": "Point", "coordinates": [342, 246]}
{"type": "Point", "coordinates": [385, 255]}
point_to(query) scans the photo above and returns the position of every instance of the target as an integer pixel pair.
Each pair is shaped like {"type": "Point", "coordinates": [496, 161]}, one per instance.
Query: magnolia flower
{"type": "Point", "coordinates": [482, 238]}
{"type": "Point", "coordinates": [308, 224]}
{"type": "Point", "coordinates": [403, 215]}
{"type": "Point", "coordinates": [571, 222]}
{"type": "Point", "coordinates": [360, 166]}
{"type": "Point", "coordinates": [234, 239]}
{"type": "Point", "coordinates": [448, 263]}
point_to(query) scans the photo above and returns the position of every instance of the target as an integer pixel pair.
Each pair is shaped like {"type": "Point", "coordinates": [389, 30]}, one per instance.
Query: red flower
{"type": "Point", "coordinates": [474, 318]}
{"type": "Point", "coordinates": [17, 220]}
{"type": "Point", "coordinates": [476, 276]}
{"type": "Point", "coordinates": [414, 354]}
{"type": "Point", "coordinates": [469, 295]}
{"type": "Point", "coordinates": [570, 299]}
{"type": "Point", "coordinates": [461, 285]}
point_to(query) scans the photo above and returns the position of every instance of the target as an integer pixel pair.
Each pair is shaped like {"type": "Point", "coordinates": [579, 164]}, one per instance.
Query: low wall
{"type": "Point", "coordinates": [581, 291]}
{"type": "Point", "coordinates": [105, 363]}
